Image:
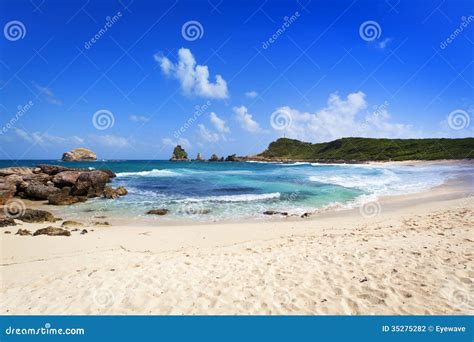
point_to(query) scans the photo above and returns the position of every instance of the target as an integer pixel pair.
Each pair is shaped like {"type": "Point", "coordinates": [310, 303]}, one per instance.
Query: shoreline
{"type": "Point", "coordinates": [332, 263]}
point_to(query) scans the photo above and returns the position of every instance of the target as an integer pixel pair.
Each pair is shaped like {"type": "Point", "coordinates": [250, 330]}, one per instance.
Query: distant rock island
{"type": "Point", "coordinates": [179, 154]}
{"type": "Point", "coordinates": [79, 154]}
{"type": "Point", "coordinates": [367, 149]}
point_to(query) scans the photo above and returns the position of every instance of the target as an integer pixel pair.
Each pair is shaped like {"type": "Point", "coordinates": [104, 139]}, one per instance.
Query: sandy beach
{"type": "Point", "coordinates": [415, 256]}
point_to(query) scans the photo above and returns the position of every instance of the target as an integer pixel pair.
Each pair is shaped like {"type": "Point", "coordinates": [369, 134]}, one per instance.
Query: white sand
{"type": "Point", "coordinates": [415, 257]}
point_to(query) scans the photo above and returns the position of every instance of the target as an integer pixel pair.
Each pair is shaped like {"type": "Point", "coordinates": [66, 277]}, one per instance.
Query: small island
{"type": "Point", "coordinates": [79, 154]}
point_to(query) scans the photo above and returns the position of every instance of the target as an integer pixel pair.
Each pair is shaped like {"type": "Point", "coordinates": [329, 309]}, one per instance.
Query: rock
{"type": "Point", "coordinates": [7, 221]}
{"type": "Point", "coordinates": [204, 211]}
{"type": "Point", "coordinates": [179, 154]}
{"type": "Point", "coordinates": [7, 232]}
{"type": "Point", "coordinates": [90, 184]}
{"type": "Point", "coordinates": [64, 198]}
{"type": "Point", "coordinates": [305, 215]}
{"type": "Point", "coordinates": [71, 223]}
{"type": "Point", "coordinates": [16, 171]}
{"type": "Point", "coordinates": [66, 178]}
{"type": "Point", "coordinates": [199, 157]}
{"type": "Point", "coordinates": [52, 231]}
{"type": "Point", "coordinates": [38, 191]}
{"type": "Point", "coordinates": [214, 157]}
{"type": "Point", "coordinates": [160, 212]}
{"type": "Point", "coordinates": [79, 154]}
{"type": "Point", "coordinates": [7, 189]}
{"type": "Point", "coordinates": [105, 223]}
{"type": "Point", "coordinates": [273, 212]}
{"type": "Point", "coordinates": [109, 192]}
{"type": "Point", "coordinates": [23, 232]}
{"type": "Point", "coordinates": [109, 172]}
{"type": "Point", "coordinates": [84, 231]}
{"type": "Point", "coordinates": [55, 169]}
{"type": "Point", "coordinates": [36, 215]}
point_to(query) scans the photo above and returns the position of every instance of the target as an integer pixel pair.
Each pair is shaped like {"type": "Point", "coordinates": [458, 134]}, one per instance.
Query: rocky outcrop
{"type": "Point", "coordinates": [112, 193]}
{"type": "Point", "coordinates": [234, 158]}
{"type": "Point", "coordinates": [160, 212]}
{"type": "Point", "coordinates": [273, 212]}
{"type": "Point", "coordinates": [52, 231]}
{"type": "Point", "coordinates": [57, 184]}
{"type": "Point", "coordinates": [36, 216]}
{"type": "Point", "coordinates": [214, 157]}
{"type": "Point", "coordinates": [199, 157]}
{"type": "Point", "coordinates": [23, 232]}
{"type": "Point", "coordinates": [179, 154]}
{"type": "Point", "coordinates": [6, 222]}
{"type": "Point", "coordinates": [70, 223]}
{"type": "Point", "coordinates": [79, 154]}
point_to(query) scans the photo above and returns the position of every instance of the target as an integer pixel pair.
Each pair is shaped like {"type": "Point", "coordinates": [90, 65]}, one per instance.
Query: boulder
{"type": "Point", "coordinates": [71, 223]}
{"type": "Point", "coordinates": [160, 212]}
{"type": "Point", "coordinates": [63, 198]}
{"type": "Point", "coordinates": [179, 154]}
{"type": "Point", "coordinates": [7, 189]}
{"type": "Point", "coordinates": [199, 157]}
{"type": "Point", "coordinates": [7, 221]}
{"type": "Point", "coordinates": [214, 157]}
{"type": "Point", "coordinates": [38, 191]}
{"type": "Point", "coordinates": [66, 178]}
{"type": "Point", "coordinates": [90, 184]}
{"type": "Point", "coordinates": [23, 232]}
{"type": "Point", "coordinates": [16, 171]}
{"type": "Point", "coordinates": [79, 154]}
{"type": "Point", "coordinates": [109, 172]}
{"type": "Point", "coordinates": [54, 169]}
{"type": "Point", "coordinates": [36, 215]}
{"type": "Point", "coordinates": [273, 212]}
{"type": "Point", "coordinates": [52, 231]}
{"type": "Point", "coordinates": [112, 193]}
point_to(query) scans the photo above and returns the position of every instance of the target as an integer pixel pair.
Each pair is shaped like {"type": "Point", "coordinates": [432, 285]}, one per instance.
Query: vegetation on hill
{"type": "Point", "coordinates": [179, 153]}
{"type": "Point", "coordinates": [369, 149]}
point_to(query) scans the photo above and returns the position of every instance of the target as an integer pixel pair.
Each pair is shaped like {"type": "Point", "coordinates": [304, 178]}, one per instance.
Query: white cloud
{"type": "Point", "coordinates": [251, 94]}
{"type": "Point", "coordinates": [245, 119]}
{"type": "Point", "coordinates": [194, 78]}
{"type": "Point", "coordinates": [42, 139]}
{"type": "Point", "coordinates": [207, 135]}
{"type": "Point", "coordinates": [47, 94]}
{"type": "Point", "coordinates": [218, 123]}
{"type": "Point", "coordinates": [172, 143]}
{"type": "Point", "coordinates": [138, 118]}
{"type": "Point", "coordinates": [111, 140]}
{"type": "Point", "coordinates": [339, 119]}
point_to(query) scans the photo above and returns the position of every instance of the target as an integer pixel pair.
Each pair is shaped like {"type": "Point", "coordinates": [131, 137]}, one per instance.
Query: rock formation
{"type": "Point", "coordinates": [57, 184]}
{"type": "Point", "coordinates": [179, 154]}
{"type": "Point", "coordinates": [214, 157]}
{"type": "Point", "coordinates": [199, 157]}
{"type": "Point", "coordinates": [79, 154]}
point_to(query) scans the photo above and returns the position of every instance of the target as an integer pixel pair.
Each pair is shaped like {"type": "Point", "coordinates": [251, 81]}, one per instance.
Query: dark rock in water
{"type": "Point", "coordinates": [158, 212]}
{"type": "Point", "coordinates": [66, 178]}
{"type": "Point", "coordinates": [7, 221]}
{"type": "Point", "coordinates": [36, 215]}
{"type": "Point", "coordinates": [79, 154]}
{"type": "Point", "coordinates": [214, 157]}
{"type": "Point", "coordinates": [204, 211]}
{"type": "Point", "coordinates": [179, 154]}
{"type": "Point", "coordinates": [52, 231]}
{"type": "Point", "coordinates": [305, 215]}
{"type": "Point", "coordinates": [199, 157]}
{"type": "Point", "coordinates": [90, 184]}
{"type": "Point", "coordinates": [71, 223]}
{"type": "Point", "coordinates": [38, 191]}
{"type": "Point", "coordinates": [23, 232]}
{"type": "Point", "coordinates": [84, 231]}
{"type": "Point", "coordinates": [273, 212]}
{"type": "Point", "coordinates": [233, 158]}
{"type": "Point", "coordinates": [109, 192]}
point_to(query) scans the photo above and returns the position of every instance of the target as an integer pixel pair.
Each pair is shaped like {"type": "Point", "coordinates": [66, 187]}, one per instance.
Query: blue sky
{"type": "Point", "coordinates": [254, 71]}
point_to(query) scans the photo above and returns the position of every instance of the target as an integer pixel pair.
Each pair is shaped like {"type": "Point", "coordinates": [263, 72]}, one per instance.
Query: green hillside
{"type": "Point", "coordinates": [368, 149]}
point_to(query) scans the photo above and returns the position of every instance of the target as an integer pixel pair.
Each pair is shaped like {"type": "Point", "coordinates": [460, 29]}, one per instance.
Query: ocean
{"type": "Point", "coordinates": [220, 191]}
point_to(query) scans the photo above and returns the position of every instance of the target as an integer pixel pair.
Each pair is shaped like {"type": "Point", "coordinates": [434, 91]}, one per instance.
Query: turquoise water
{"type": "Point", "coordinates": [225, 190]}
